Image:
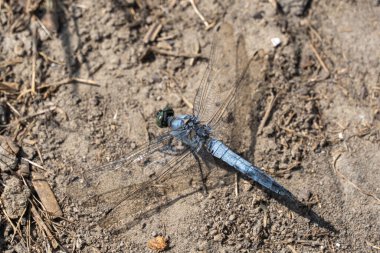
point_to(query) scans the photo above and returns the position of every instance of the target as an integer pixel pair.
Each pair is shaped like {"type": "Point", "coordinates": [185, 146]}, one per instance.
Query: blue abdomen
{"type": "Point", "coordinates": [224, 153]}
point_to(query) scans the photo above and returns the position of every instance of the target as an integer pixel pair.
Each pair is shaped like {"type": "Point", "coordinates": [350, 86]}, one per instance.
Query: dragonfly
{"type": "Point", "coordinates": [199, 136]}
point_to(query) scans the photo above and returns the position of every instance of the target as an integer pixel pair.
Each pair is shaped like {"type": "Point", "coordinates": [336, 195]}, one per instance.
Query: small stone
{"type": "Point", "coordinates": [24, 170]}
{"type": "Point", "coordinates": [115, 60]}
{"type": "Point", "coordinates": [232, 217]}
{"type": "Point", "coordinates": [213, 232]}
{"type": "Point", "coordinates": [96, 36]}
{"type": "Point", "coordinates": [94, 101]}
{"type": "Point", "coordinates": [218, 238]}
{"type": "Point", "coordinates": [19, 49]}
{"type": "Point", "coordinates": [276, 42]}
{"type": "Point", "coordinates": [155, 78]}
{"type": "Point", "coordinates": [258, 15]}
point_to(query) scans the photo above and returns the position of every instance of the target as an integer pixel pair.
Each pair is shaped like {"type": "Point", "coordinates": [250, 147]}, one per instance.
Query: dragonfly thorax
{"type": "Point", "coordinates": [189, 130]}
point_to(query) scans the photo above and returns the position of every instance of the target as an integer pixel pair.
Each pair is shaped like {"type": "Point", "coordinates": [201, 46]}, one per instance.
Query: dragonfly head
{"type": "Point", "coordinates": [162, 116]}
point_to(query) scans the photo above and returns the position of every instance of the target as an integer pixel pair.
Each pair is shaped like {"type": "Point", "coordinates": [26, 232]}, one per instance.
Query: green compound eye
{"type": "Point", "coordinates": [163, 115]}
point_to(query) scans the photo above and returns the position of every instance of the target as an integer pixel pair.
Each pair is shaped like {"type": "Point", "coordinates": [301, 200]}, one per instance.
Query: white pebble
{"type": "Point", "coordinates": [275, 41]}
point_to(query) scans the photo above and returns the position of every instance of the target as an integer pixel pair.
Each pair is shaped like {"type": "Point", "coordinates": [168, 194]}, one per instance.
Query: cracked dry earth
{"type": "Point", "coordinates": [308, 116]}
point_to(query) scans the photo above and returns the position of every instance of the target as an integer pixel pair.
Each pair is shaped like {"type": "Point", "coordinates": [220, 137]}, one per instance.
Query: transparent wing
{"type": "Point", "coordinates": [141, 180]}
{"type": "Point", "coordinates": [132, 201]}
{"type": "Point", "coordinates": [227, 70]}
{"type": "Point", "coordinates": [241, 77]}
{"type": "Point", "coordinates": [182, 177]}
{"type": "Point", "coordinates": [129, 195]}
{"type": "Point", "coordinates": [218, 76]}
{"type": "Point", "coordinates": [93, 177]}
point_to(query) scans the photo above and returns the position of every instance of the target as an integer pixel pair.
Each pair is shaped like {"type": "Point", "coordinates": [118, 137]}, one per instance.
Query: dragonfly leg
{"type": "Point", "coordinates": [201, 174]}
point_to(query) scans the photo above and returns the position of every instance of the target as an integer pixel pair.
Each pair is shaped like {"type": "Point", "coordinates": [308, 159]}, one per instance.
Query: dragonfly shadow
{"type": "Point", "coordinates": [149, 213]}
{"type": "Point", "coordinates": [291, 203]}
{"type": "Point", "coordinates": [129, 212]}
{"type": "Point", "coordinates": [301, 209]}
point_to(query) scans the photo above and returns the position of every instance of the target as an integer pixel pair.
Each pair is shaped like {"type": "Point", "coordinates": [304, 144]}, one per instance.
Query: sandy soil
{"type": "Point", "coordinates": [308, 115]}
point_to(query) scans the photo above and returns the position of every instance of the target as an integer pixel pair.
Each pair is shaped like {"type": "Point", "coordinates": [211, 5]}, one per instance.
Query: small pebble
{"type": "Point", "coordinates": [276, 42]}
{"type": "Point", "coordinates": [19, 49]}
{"type": "Point", "coordinates": [213, 232]}
{"type": "Point", "coordinates": [218, 238]}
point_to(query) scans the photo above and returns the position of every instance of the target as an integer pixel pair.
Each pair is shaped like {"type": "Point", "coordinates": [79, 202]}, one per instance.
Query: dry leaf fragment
{"type": "Point", "coordinates": [46, 195]}
{"type": "Point", "coordinates": [158, 244]}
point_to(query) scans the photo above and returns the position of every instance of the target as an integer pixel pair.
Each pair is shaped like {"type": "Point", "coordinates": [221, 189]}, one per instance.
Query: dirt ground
{"type": "Point", "coordinates": [80, 85]}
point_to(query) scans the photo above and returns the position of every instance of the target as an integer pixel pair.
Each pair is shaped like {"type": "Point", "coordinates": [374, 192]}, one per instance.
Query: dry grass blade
{"type": "Point", "coordinates": [13, 109]}
{"type": "Point", "coordinates": [33, 163]}
{"type": "Point", "coordinates": [18, 224]}
{"type": "Point", "coordinates": [236, 185]}
{"type": "Point", "coordinates": [292, 248]}
{"type": "Point", "coordinates": [15, 228]}
{"type": "Point", "coordinates": [55, 85]}
{"type": "Point", "coordinates": [68, 81]}
{"type": "Point", "coordinates": [152, 33]}
{"type": "Point", "coordinates": [321, 62]}
{"type": "Point", "coordinates": [207, 24]}
{"type": "Point", "coordinates": [268, 111]}
{"type": "Point", "coordinates": [20, 120]}
{"type": "Point", "coordinates": [6, 63]}
{"type": "Point", "coordinates": [9, 87]}
{"type": "Point", "coordinates": [48, 59]}
{"type": "Point", "coordinates": [34, 56]}
{"type": "Point", "coordinates": [372, 245]}
{"type": "Point", "coordinates": [171, 53]}
{"type": "Point", "coordinates": [38, 219]}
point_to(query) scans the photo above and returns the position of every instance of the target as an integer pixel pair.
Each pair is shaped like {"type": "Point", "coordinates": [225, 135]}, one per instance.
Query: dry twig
{"type": "Point", "coordinates": [207, 24]}
{"type": "Point", "coordinates": [48, 59]}
{"type": "Point", "coordinates": [171, 53]}
{"type": "Point", "coordinates": [34, 57]}
{"type": "Point", "coordinates": [11, 223]}
{"type": "Point", "coordinates": [319, 58]}
{"type": "Point", "coordinates": [18, 224]}
{"type": "Point", "coordinates": [372, 245]}
{"type": "Point", "coordinates": [236, 184]}
{"type": "Point", "coordinates": [60, 83]}
{"type": "Point", "coordinates": [152, 33]}
{"type": "Point", "coordinates": [292, 248]}
{"type": "Point", "coordinates": [38, 219]}
{"type": "Point", "coordinates": [267, 113]}
{"type": "Point", "coordinates": [19, 120]}
{"type": "Point", "coordinates": [15, 61]}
